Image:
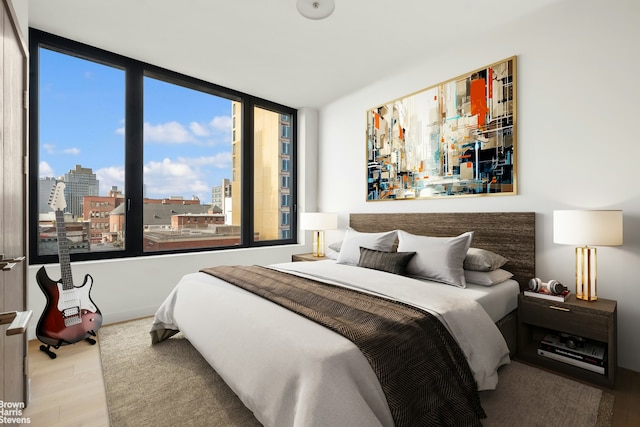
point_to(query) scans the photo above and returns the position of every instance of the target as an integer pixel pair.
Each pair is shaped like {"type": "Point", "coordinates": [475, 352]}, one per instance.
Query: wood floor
{"type": "Point", "coordinates": [69, 391]}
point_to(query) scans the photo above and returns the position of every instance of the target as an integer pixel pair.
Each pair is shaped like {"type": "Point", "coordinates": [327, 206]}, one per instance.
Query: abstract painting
{"type": "Point", "coordinates": [457, 138]}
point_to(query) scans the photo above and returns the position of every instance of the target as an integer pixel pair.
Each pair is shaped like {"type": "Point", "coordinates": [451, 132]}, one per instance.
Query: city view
{"type": "Point", "coordinates": [191, 162]}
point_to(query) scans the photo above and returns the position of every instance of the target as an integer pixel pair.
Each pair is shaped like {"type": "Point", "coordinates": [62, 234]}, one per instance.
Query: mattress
{"type": "Point", "coordinates": [291, 371]}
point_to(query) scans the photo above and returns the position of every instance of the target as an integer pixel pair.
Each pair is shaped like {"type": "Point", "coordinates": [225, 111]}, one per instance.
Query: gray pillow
{"type": "Point", "coordinates": [391, 262]}
{"type": "Point", "coordinates": [483, 260]}
{"type": "Point", "coordinates": [437, 258]}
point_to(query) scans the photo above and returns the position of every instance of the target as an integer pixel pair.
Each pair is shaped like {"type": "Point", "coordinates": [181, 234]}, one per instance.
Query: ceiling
{"type": "Point", "coordinates": [267, 49]}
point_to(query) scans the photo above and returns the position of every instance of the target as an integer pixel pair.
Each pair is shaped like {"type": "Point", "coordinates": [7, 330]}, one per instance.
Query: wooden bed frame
{"type": "Point", "coordinates": [511, 234]}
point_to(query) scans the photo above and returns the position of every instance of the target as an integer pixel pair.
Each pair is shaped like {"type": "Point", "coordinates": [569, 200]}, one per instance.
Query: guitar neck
{"type": "Point", "coordinates": [63, 252]}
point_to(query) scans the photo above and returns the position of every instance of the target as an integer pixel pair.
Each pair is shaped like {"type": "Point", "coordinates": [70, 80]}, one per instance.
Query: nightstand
{"type": "Point", "coordinates": [595, 321]}
{"type": "Point", "coordinates": [307, 257]}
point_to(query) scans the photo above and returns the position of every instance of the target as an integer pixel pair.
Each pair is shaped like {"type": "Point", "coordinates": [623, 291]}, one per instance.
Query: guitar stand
{"type": "Point", "coordinates": [52, 355]}
{"type": "Point", "coordinates": [47, 349]}
{"type": "Point", "coordinates": [89, 339]}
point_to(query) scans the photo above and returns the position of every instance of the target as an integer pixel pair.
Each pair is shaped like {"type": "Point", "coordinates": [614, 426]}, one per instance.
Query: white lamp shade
{"type": "Point", "coordinates": [318, 221]}
{"type": "Point", "coordinates": [587, 227]}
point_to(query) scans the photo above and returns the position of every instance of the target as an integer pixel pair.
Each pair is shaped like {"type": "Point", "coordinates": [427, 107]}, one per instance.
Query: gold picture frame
{"type": "Point", "coordinates": [456, 138]}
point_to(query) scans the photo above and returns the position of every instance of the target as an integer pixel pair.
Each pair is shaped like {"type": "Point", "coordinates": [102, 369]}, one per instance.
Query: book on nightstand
{"type": "Point", "coordinates": [574, 351]}
{"type": "Point", "coordinates": [570, 361]}
{"type": "Point", "coordinates": [560, 297]}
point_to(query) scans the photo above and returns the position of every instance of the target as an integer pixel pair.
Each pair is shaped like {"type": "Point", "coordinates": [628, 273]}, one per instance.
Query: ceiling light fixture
{"type": "Point", "coordinates": [315, 9]}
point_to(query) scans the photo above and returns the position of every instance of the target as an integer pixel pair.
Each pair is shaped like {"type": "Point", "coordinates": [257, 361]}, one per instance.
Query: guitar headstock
{"type": "Point", "coordinates": [56, 199]}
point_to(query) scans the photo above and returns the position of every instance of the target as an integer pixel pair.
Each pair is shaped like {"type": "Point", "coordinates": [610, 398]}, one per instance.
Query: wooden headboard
{"type": "Point", "coordinates": [510, 234]}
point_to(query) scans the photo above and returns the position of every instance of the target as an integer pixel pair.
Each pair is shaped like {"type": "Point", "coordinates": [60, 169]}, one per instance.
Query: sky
{"type": "Point", "coordinates": [187, 134]}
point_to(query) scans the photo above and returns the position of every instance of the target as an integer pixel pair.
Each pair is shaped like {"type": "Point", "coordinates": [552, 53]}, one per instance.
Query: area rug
{"type": "Point", "coordinates": [170, 384]}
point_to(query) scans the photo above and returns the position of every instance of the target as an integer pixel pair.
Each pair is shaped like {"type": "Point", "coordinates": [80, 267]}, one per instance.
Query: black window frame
{"type": "Point", "coordinates": [135, 71]}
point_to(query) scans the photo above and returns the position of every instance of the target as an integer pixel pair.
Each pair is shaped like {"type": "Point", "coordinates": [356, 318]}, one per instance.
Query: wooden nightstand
{"type": "Point", "coordinates": [594, 321]}
{"type": "Point", "coordinates": [306, 257]}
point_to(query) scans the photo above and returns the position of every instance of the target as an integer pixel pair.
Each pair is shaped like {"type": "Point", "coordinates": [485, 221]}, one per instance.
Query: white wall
{"type": "Point", "coordinates": [578, 110]}
{"type": "Point", "coordinates": [126, 289]}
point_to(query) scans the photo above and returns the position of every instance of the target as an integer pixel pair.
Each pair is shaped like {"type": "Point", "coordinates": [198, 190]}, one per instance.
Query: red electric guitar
{"type": "Point", "coordinates": [70, 315]}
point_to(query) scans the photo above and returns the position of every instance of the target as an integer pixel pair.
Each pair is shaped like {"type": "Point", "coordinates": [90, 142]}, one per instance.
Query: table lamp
{"type": "Point", "coordinates": [586, 228]}
{"type": "Point", "coordinates": [318, 222]}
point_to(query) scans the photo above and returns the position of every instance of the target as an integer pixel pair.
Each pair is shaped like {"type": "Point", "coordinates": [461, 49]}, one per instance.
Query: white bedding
{"type": "Point", "coordinates": [497, 300]}
{"type": "Point", "coordinates": [291, 371]}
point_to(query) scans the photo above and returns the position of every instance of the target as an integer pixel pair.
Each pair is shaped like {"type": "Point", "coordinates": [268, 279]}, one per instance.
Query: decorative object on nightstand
{"type": "Point", "coordinates": [318, 222]}
{"type": "Point", "coordinates": [553, 290]}
{"type": "Point", "coordinates": [586, 228]}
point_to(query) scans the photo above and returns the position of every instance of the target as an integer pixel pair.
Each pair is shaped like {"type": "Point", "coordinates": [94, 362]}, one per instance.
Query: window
{"type": "Point", "coordinates": [192, 162]}
{"type": "Point", "coordinates": [285, 218]}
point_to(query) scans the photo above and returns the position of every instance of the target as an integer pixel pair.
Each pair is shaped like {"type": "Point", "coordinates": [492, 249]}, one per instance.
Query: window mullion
{"type": "Point", "coordinates": [247, 171]}
{"type": "Point", "coordinates": [134, 155]}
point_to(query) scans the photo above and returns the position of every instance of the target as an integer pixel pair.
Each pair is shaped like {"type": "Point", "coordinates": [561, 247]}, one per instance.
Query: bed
{"type": "Point", "coordinates": [291, 371]}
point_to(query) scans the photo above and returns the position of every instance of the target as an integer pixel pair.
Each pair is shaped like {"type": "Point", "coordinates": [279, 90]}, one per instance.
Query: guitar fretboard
{"type": "Point", "coordinates": [63, 252]}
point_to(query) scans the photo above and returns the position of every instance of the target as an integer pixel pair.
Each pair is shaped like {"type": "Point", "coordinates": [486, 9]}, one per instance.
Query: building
{"type": "Point", "coordinates": [220, 193]}
{"type": "Point", "coordinates": [173, 224]}
{"type": "Point", "coordinates": [96, 210]}
{"type": "Point", "coordinates": [80, 182]}
{"type": "Point", "coordinates": [272, 187]}
{"type": "Point", "coordinates": [45, 189]}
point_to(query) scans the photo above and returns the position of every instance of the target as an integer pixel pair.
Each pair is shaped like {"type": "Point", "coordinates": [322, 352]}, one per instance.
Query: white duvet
{"type": "Point", "coordinates": [291, 371]}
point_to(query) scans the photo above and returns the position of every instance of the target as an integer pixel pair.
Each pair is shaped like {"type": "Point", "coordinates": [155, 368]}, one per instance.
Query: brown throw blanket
{"type": "Point", "coordinates": [422, 370]}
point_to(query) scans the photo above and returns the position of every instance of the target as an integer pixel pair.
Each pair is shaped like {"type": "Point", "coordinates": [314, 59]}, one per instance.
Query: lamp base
{"type": "Point", "coordinates": [318, 243]}
{"type": "Point", "coordinates": [586, 282]}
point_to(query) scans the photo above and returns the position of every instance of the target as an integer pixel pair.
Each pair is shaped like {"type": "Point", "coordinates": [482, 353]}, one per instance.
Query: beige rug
{"type": "Point", "coordinates": [170, 384]}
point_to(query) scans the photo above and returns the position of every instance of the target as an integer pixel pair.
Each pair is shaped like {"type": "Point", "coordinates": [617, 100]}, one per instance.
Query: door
{"type": "Point", "coordinates": [13, 214]}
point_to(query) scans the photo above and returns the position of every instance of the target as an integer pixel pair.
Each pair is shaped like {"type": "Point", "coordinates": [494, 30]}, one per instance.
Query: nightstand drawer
{"type": "Point", "coordinates": [569, 318]}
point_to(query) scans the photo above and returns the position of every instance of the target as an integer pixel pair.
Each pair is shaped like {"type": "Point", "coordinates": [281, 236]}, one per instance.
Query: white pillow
{"type": "Point", "coordinates": [331, 254]}
{"type": "Point", "coordinates": [437, 258]}
{"type": "Point", "coordinates": [487, 278]}
{"type": "Point", "coordinates": [353, 240]}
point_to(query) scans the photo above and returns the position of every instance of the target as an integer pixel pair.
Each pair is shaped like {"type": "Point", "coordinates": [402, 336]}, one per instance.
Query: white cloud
{"type": "Point", "coordinates": [216, 131]}
{"type": "Point", "coordinates": [45, 170]}
{"type": "Point", "coordinates": [168, 177]}
{"type": "Point", "coordinates": [49, 148]}
{"type": "Point", "coordinates": [170, 132]}
{"type": "Point", "coordinates": [109, 177]}
{"type": "Point", "coordinates": [220, 160]}
{"type": "Point", "coordinates": [221, 123]}
{"type": "Point", "coordinates": [198, 129]}
{"type": "Point", "coordinates": [183, 176]}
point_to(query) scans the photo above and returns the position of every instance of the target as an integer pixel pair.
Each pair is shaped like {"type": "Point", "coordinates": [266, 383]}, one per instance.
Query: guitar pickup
{"type": "Point", "coordinates": [71, 316]}
{"type": "Point", "coordinates": [72, 311]}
